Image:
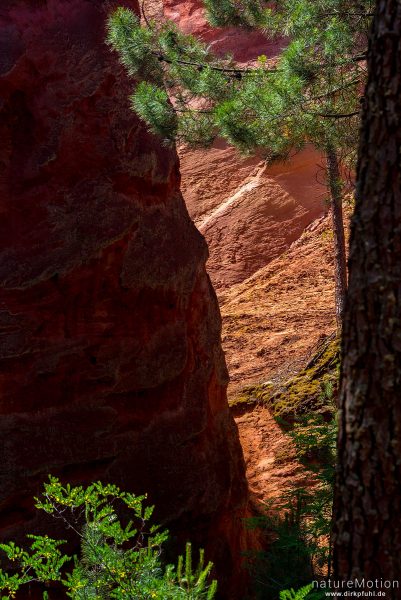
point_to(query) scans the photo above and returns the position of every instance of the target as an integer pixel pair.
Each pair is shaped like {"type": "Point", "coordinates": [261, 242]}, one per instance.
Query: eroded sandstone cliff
{"type": "Point", "coordinates": [276, 293]}
{"type": "Point", "coordinates": [111, 365]}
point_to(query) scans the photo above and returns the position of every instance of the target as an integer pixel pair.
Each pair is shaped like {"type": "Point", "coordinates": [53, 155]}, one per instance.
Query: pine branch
{"type": "Point", "coordinates": [145, 18]}
{"type": "Point", "coordinates": [232, 70]}
{"type": "Point", "coordinates": [348, 14]}
{"type": "Point", "coordinates": [238, 72]}
{"type": "Point", "coordinates": [340, 88]}
{"type": "Point", "coordinates": [334, 115]}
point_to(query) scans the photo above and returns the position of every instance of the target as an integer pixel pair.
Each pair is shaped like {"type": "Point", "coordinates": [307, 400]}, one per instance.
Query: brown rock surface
{"type": "Point", "coordinates": [270, 261]}
{"type": "Point", "coordinates": [111, 365]}
{"type": "Point", "coordinates": [273, 468]}
{"type": "Point", "coordinates": [273, 320]}
{"type": "Point", "coordinates": [249, 213]}
{"type": "Point", "coordinates": [272, 323]}
{"type": "Point", "coordinates": [243, 44]}
{"type": "Point", "coordinates": [276, 294]}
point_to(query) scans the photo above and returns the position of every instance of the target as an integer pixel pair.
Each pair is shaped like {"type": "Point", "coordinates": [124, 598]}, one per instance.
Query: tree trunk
{"type": "Point", "coordinates": [367, 540]}
{"type": "Point", "coordinates": [340, 260]}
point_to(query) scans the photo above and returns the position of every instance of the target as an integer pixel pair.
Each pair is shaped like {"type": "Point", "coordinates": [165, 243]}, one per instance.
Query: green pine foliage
{"type": "Point", "coordinates": [151, 104]}
{"type": "Point", "coordinates": [310, 95]}
{"type": "Point", "coordinates": [134, 45]}
{"type": "Point", "coordinates": [223, 13]}
{"type": "Point", "coordinates": [117, 560]}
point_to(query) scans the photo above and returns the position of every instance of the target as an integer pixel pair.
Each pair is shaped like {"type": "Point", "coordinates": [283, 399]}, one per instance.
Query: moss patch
{"type": "Point", "coordinates": [313, 389]}
{"type": "Point", "coordinates": [252, 395]}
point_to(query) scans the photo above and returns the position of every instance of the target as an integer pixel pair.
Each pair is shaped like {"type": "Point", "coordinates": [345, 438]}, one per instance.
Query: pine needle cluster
{"type": "Point", "coordinates": [310, 94]}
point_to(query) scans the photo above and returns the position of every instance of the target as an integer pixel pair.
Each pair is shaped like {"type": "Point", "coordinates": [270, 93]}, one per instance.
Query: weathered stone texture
{"type": "Point", "coordinates": [111, 365]}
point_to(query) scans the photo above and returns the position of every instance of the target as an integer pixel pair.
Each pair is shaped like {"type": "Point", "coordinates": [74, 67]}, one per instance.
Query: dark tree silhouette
{"type": "Point", "coordinates": [367, 540]}
{"type": "Point", "coordinates": [340, 260]}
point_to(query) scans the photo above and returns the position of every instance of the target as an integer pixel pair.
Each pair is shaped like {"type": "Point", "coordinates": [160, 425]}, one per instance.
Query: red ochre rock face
{"type": "Point", "coordinates": [244, 44]}
{"type": "Point", "coordinates": [111, 366]}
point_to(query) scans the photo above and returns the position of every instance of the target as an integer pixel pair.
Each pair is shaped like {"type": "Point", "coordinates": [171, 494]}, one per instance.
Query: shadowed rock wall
{"type": "Point", "coordinates": [110, 358]}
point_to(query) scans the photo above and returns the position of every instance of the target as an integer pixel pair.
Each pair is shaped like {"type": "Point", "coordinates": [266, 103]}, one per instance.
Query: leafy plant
{"type": "Point", "coordinates": [296, 595]}
{"type": "Point", "coordinates": [308, 591]}
{"type": "Point", "coordinates": [117, 561]}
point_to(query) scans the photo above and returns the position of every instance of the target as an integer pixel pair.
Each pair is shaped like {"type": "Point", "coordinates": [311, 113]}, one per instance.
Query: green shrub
{"type": "Point", "coordinates": [307, 592]}
{"type": "Point", "coordinates": [117, 561]}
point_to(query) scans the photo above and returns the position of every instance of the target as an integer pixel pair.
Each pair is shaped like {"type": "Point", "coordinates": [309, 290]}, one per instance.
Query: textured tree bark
{"type": "Point", "coordinates": [340, 259]}
{"type": "Point", "coordinates": [368, 496]}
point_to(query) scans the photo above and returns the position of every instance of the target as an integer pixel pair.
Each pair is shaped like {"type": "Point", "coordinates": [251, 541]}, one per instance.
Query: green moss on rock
{"type": "Point", "coordinates": [252, 395]}
{"type": "Point", "coordinates": [313, 389]}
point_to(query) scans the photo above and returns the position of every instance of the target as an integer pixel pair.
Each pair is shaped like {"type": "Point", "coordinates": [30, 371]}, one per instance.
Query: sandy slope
{"type": "Point", "coordinates": [274, 319]}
